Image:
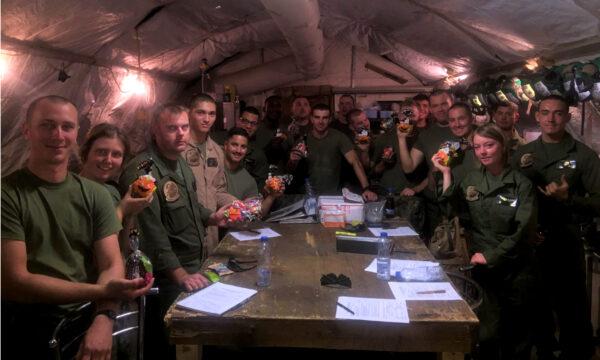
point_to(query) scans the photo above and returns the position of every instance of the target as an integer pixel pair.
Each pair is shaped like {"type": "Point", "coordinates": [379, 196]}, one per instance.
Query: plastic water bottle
{"type": "Point", "coordinates": [310, 202]}
{"type": "Point", "coordinates": [390, 207]}
{"type": "Point", "coordinates": [264, 263]}
{"type": "Point", "coordinates": [383, 257]}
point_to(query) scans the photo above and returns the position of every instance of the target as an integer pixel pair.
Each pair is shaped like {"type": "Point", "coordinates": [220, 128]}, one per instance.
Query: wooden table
{"type": "Point", "coordinates": [296, 311]}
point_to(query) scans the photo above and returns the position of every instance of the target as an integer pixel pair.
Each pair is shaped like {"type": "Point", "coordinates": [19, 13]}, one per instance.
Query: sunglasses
{"type": "Point", "coordinates": [336, 281]}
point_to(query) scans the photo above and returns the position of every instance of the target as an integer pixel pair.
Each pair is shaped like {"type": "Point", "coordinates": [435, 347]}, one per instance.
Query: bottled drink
{"type": "Point", "coordinates": [310, 202]}
{"type": "Point", "coordinates": [390, 207]}
{"type": "Point", "coordinates": [264, 263]}
{"type": "Point", "coordinates": [383, 257]}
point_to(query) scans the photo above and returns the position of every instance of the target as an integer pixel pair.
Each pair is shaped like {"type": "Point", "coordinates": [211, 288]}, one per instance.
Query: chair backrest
{"type": "Point", "coordinates": [468, 288]}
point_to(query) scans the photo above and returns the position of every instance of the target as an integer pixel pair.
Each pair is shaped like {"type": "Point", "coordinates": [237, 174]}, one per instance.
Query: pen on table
{"type": "Point", "coordinates": [402, 251]}
{"type": "Point", "coordinates": [346, 308]}
{"type": "Point", "coordinates": [431, 292]}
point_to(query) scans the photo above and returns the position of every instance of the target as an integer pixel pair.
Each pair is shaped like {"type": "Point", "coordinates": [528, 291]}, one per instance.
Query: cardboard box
{"type": "Point", "coordinates": [352, 211]}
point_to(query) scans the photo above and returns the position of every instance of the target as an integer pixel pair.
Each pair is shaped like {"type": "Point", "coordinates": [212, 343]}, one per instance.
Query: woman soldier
{"type": "Point", "coordinates": [501, 206]}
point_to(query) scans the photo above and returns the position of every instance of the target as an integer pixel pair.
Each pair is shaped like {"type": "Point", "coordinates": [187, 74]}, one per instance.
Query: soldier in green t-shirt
{"type": "Point", "coordinates": [103, 154]}
{"type": "Point", "coordinates": [326, 148]}
{"type": "Point", "coordinates": [59, 242]}
{"type": "Point", "coordinates": [458, 130]}
{"type": "Point", "coordinates": [239, 181]}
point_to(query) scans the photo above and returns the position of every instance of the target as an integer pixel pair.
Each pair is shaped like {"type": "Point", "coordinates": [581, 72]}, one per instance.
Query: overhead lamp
{"type": "Point", "coordinates": [3, 66]}
{"type": "Point", "coordinates": [532, 64]}
{"type": "Point", "coordinates": [132, 84]}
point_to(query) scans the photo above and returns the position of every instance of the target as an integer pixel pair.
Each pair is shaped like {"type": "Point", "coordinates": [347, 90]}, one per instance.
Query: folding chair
{"type": "Point", "coordinates": [68, 334]}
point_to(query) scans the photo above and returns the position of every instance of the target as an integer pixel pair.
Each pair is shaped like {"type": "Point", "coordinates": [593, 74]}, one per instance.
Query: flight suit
{"type": "Point", "coordinates": [561, 254]}
{"type": "Point", "coordinates": [501, 218]}
{"type": "Point", "coordinates": [211, 184]}
{"type": "Point", "coordinates": [172, 233]}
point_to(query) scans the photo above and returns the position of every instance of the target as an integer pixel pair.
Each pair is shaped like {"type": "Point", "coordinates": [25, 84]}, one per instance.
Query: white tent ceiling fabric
{"type": "Point", "coordinates": [426, 37]}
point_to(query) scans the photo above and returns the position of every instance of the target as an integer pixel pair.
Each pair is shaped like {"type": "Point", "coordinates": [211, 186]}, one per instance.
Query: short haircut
{"type": "Point", "coordinates": [348, 96]}
{"type": "Point", "coordinates": [461, 105]}
{"type": "Point", "coordinates": [171, 108]}
{"type": "Point", "coordinates": [251, 110]}
{"type": "Point", "coordinates": [272, 98]}
{"type": "Point", "coordinates": [421, 97]}
{"type": "Point", "coordinates": [439, 92]}
{"type": "Point", "coordinates": [408, 102]}
{"type": "Point", "coordinates": [512, 105]}
{"type": "Point", "coordinates": [196, 99]}
{"type": "Point", "coordinates": [557, 98]}
{"type": "Point", "coordinates": [56, 99]}
{"type": "Point", "coordinates": [352, 114]}
{"type": "Point", "coordinates": [237, 131]}
{"type": "Point", "coordinates": [321, 107]}
{"type": "Point", "coordinates": [100, 131]}
{"type": "Point", "coordinates": [492, 131]}
{"type": "Point", "coordinates": [300, 97]}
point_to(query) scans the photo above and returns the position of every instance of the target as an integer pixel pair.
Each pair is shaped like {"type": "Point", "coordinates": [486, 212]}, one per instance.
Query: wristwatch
{"type": "Point", "coordinates": [108, 313]}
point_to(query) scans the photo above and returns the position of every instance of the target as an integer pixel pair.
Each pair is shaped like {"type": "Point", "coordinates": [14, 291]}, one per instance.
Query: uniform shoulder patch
{"type": "Point", "coordinates": [192, 157]}
{"type": "Point", "coordinates": [526, 160]}
{"type": "Point", "coordinates": [471, 194]}
{"type": "Point", "coordinates": [171, 191]}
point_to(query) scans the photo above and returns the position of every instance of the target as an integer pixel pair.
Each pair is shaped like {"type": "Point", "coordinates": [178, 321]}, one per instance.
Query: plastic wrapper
{"type": "Point", "coordinates": [137, 264]}
{"type": "Point", "coordinates": [450, 153]}
{"type": "Point", "coordinates": [278, 183]}
{"type": "Point", "coordinates": [363, 137]}
{"type": "Point", "coordinates": [301, 147]}
{"type": "Point", "coordinates": [143, 186]}
{"type": "Point", "coordinates": [388, 153]}
{"type": "Point", "coordinates": [240, 212]}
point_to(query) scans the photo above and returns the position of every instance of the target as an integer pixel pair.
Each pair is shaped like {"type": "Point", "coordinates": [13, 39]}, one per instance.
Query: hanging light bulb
{"type": "Point", "coordinates": [3, 66]}
{"type": "Point", "coordinates": [532, 64]}
{"type": "Point", "coordinates": [133, 84]}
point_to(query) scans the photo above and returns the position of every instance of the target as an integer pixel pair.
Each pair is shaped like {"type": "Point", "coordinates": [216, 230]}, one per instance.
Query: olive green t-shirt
{"type": "Point", "coordinates": [429, 140]}
{"type": "Point", "coordinates": [240, 183]}
{"type": "Point", "coordinates": [114, 193]}
{"type": "Point", "coordinates": [59, 223]}
{"type": "Point", "coordinates": [325, 158]}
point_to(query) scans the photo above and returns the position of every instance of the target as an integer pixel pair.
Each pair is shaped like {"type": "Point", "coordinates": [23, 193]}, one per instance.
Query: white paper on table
{"type": "Point", "coordinates": [399, 231]}
{"type": "Point", "coordinates": [384, 310]}
{"type": "Point", "coordinates": [216, 298]}
{"type": "Point", "coordinates": [399, 265]}
{"type": "Point", "coordinates": [248, 235]}
{"type": "Point", "coordinates": [423, 291]}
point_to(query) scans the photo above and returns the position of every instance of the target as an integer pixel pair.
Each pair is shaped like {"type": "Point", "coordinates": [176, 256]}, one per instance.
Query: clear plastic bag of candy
{"type": "Point", "coordinates": [137, 264]}
{"type": "Point", "coordinates": [240, 213]}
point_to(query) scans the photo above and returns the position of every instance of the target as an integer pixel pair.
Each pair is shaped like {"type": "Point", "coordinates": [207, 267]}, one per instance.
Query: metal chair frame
{"type": "Point", "coordinates": [78, 314]}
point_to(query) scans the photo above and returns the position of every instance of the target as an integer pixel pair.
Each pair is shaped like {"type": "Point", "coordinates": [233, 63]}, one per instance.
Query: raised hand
{"type": "Point", "coordinates": [557, 191]}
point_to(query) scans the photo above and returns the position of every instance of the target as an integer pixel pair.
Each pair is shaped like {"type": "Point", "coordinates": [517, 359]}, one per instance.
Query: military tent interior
{"type": "Point", "coordinates": [117, 59]}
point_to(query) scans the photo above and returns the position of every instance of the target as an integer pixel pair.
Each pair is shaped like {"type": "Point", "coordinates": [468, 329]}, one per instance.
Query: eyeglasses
{"type": "Point", "coordinates": [248, 122]}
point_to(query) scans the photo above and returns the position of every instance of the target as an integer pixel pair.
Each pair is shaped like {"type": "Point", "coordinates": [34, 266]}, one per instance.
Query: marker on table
{"type": "Point", "coordinates": [346, 308]}
{"type": "Point", "coordinates": [431, 292]}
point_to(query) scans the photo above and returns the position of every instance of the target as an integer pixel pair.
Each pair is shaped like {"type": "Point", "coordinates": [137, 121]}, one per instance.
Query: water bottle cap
{"type": "Point", "coordinates": [383, 234]}
{"type": "Point", "coordinates": [264, 238]}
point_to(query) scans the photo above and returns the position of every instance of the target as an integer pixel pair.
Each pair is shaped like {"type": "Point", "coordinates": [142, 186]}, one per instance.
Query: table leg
{"type": "Point", "coordinates": [188, 352]}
